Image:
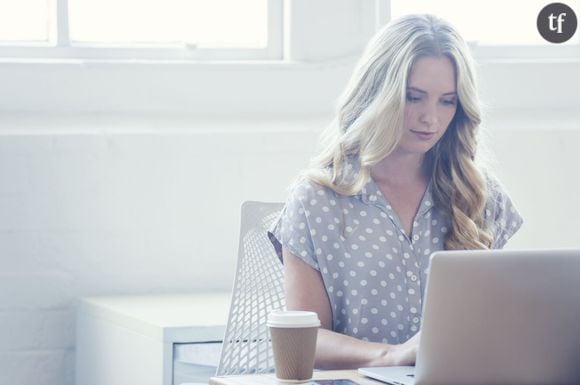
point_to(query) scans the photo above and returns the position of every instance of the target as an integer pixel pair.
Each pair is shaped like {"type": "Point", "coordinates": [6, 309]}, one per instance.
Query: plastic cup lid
{"type": "Point", "coordinates": [293, 319]}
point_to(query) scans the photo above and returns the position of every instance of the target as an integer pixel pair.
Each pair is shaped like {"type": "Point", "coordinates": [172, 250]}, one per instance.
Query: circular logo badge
{"type": "Point", "coordinates": [557, 23]}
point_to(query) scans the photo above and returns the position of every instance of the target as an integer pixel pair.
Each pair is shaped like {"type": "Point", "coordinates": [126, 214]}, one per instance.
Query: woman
{"type": "Point", "coordinates": [395, 181]}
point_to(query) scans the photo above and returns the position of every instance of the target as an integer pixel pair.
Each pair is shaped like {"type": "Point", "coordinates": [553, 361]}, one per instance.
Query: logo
{"type": "Point", "coordinates": [557, 23]}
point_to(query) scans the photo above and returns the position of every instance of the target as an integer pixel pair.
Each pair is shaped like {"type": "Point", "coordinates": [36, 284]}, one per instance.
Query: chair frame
{"type": "Point", "coordinates": [258, 289]}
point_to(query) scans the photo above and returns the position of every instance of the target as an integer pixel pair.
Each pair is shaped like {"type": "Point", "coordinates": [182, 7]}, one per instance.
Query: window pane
{"type": "Point", "coordinates": [205, 23]}
{"type": "Point", "coordinates": [490, 22]}
{"type": "Point", "coordinates": [24, 20]}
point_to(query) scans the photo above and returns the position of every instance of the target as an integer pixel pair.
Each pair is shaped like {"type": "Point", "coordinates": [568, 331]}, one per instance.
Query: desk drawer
{"type": "Point", "coordinates": [195, 362]}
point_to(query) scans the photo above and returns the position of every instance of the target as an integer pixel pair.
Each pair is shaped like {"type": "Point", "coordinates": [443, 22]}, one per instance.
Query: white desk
{"type": "Point", "coordinates": [135, 339]}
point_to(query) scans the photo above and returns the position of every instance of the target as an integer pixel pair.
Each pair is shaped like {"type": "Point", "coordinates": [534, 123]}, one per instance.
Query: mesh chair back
{"type": "Point", "coordinates": [258, 289]}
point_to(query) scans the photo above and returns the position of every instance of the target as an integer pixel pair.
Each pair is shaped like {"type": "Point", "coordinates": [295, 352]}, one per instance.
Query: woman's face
{"type": "Point", "coordinates": [431, 103]}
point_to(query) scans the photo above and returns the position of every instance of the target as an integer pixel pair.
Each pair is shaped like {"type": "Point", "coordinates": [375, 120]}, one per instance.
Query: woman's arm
{"type": "Point", "coordinates": [305, 291]}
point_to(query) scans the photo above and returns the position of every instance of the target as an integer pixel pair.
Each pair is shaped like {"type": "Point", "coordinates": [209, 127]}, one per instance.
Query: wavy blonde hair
{"type": "Point", "coordinates": [369, 124]}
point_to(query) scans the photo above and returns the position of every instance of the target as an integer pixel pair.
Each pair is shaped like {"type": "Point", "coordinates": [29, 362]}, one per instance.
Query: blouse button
{"type": "Point", "coordinates": [413, 278]}
{"type": "Point", "coordinates": [415, 237]}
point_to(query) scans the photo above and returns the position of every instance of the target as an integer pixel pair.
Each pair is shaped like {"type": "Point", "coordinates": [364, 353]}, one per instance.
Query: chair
{"type": "Point", "coordinates": [258, 289]}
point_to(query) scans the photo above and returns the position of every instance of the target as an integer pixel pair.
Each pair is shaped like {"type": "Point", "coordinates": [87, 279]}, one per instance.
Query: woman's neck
{"type": "Point", "coordinates": [400, 169]}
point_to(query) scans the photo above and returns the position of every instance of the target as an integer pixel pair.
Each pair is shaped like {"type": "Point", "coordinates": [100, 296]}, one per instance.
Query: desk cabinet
{"type": "Point", "coordinates": [140, 339]}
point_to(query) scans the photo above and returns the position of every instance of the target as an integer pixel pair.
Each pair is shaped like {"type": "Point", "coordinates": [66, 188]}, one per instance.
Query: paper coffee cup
{"type": "Point", "coordinates": [294, 343]}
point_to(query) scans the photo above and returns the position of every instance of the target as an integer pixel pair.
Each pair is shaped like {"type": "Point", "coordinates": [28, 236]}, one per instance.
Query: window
{"type": "Point", "coordinates": [496, 28]}
{"type": "Point", "coordinates": [142, 29]}
{"type": "Point", "coordinates": [23, 21]}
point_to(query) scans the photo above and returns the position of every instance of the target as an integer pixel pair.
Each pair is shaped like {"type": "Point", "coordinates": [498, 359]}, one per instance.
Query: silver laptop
{"type": "Point", "coordinates": [497, 317]}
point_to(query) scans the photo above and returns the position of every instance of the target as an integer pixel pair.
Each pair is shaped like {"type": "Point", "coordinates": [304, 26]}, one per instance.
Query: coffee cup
{"type": "Point", "coordinates": [294, 343]}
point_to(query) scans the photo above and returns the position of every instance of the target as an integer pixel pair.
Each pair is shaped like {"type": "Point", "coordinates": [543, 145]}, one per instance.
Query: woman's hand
{"type": "Point", "coordinates": [406, 353]}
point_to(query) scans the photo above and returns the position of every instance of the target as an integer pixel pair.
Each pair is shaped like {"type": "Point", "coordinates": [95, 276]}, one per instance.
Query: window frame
{"type": "Point", "coordinates": [488, 52]}
{"type": "Point", "coordinates": [59, 45]}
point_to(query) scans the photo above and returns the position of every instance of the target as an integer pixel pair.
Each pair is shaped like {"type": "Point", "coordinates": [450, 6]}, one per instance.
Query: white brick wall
{"type": "Point", "coordinates": [25, 330]}
{"type": "Point", "coordinates": [90, 213]}
{"type": "Point", "coordinates": [37, 367]}
{"type": "Point", "coordinates": [34, 290]}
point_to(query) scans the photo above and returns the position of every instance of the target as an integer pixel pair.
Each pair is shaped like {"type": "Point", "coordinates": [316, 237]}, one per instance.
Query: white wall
{"type": "Point", "coordinates": [96, 213]}
{"type": "Point", "coordinates": [128, 177]}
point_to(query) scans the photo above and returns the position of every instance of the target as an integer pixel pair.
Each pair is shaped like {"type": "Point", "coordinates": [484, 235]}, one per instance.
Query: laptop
{"type": "Point", "coordinates": [497, 317]}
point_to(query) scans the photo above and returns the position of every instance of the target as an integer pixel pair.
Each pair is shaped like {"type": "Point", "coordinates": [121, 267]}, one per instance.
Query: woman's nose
{"type": "Point", "coordinates": [429, 115]}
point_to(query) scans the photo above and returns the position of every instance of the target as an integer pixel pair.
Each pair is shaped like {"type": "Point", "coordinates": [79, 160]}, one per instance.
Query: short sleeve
{"type": "Point", "coordinates": [292, 229]}
{"type": "Point", "coordinates": [501, 215]}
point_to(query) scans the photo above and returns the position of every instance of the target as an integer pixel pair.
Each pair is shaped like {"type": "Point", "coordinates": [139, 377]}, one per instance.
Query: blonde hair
{"type": "Point", "coordinates": [369, 124]}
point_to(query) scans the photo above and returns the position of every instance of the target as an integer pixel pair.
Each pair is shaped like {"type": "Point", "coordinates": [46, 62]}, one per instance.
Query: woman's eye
{"type": "Point", "coordinates": [450, 102]}
{"type": "Point", "coordinates": [412, 99]}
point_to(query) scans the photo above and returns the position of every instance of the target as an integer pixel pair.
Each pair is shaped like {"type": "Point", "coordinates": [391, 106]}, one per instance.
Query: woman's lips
{"type": "Point", "coordinates": [424, 135]}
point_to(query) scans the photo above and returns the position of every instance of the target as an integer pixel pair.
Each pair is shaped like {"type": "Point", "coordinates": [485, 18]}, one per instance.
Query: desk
{"type": "Point", "coordinates": [270, 379]}
{"type": "Point", "coordinates": [125, 340]}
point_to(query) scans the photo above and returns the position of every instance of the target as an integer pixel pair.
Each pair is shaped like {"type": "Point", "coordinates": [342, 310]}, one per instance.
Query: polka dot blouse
{"type": "Point", "coordinates": [374, 273]}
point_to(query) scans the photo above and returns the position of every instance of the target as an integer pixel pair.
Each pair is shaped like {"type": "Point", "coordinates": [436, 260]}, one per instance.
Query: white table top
{"type": "Point", "coordinates": [181, 318]}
